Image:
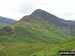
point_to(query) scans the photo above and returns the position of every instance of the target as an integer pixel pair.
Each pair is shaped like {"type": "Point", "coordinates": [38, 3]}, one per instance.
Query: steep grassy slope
{"type": "Point", "coordinates": [30, 35]}
{"type": "Point", "coordinates": [54, 50]}
{"type": "Point", "coordinates": [36, 29]}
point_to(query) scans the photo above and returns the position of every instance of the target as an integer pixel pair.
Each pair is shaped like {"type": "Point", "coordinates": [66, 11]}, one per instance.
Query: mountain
{"type": "Point", "coordinates": [32, 33]}
{"type": "Point", "coordinates": [68, 45]}
{"type": "Point", "coordinates": [34, 28]}
{"type": "Point", "coordinates": [40, 26]}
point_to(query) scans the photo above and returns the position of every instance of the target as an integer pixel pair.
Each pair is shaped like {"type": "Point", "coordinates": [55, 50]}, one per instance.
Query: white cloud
{"type": "Point", "coordinates": [17, 8]}
{"type": "Point", "coordinates": [12, 15]}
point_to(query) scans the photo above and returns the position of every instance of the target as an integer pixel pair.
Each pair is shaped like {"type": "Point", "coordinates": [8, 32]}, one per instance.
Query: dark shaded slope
{"type": "Point", "coordinates": [67, 26]}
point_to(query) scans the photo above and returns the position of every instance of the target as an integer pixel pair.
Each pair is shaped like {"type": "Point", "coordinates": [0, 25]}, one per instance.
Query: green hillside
{"type": "Point", "coordinates": [20, 49]}
{"type": "Point", "coordinates": [33, 29]}
{"type": "Point", "coordinates": [54, 50]}
{"type": "Point", "coordinates": [32, 34]}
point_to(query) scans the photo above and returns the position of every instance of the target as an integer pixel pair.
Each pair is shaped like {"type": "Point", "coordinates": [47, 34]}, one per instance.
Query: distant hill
{"type": "Point", "coordinates": [6, 21]}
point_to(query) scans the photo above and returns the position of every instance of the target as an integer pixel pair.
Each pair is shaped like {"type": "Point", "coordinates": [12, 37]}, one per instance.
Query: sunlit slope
{"type": "Point", "coordinates": [54, 50]}
{"type": "Point", "coordinates": [20, 49]}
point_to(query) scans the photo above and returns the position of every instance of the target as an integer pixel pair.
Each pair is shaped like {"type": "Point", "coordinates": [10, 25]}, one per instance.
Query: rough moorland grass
{"type": "Point", "coordinates": [21, 49]}
{"type": "Point", "coordinates": [54, 50]}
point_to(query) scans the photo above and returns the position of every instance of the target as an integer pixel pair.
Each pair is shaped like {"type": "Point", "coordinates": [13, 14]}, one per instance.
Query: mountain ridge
{"type": "Point", "coordinates": [67, 25]}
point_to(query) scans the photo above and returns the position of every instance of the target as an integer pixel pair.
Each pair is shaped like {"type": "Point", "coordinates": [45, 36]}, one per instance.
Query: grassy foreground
{"type": "Point", "coordinates": [21, 49]}
{"type": "Point", "coordinates": [53, 51]}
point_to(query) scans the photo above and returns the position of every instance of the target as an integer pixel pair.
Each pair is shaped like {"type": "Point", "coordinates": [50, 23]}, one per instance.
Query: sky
{"type": "Point", "coordinates": [16, 9]}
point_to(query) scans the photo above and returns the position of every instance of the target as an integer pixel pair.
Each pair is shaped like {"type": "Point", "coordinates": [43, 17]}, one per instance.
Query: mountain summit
{"type": "Point", "coordinates": [48, 16]}
{"type": "Point", "coordinates": [65, 25]}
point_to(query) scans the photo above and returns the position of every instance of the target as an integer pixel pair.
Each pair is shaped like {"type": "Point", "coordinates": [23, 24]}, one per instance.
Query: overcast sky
{"type": "Point", "coordinates": [16, 9]}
